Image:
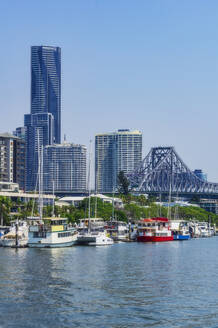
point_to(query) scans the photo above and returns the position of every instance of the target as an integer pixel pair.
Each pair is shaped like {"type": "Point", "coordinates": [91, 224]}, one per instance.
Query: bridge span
{"type": "Point", "coordinates": [163, 170]}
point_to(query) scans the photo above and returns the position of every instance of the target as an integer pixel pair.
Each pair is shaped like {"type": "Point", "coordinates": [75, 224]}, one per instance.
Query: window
{"type": "Point", "coordinates": [64, 234]}
{"type": "Point", "coordinates": [41, 234]}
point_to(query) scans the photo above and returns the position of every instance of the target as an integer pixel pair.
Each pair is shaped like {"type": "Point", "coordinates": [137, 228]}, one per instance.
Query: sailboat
{"type": "Point", "coordinates": [180, 228]}
{"type": "Point", "coordinates": [17, 236]}
{"type": "Point", "coordinates": [93, 235]}
{"type": "Point", "coordinates": [118, 230]}
{"type": "Point", "coordinates": [49, 232]}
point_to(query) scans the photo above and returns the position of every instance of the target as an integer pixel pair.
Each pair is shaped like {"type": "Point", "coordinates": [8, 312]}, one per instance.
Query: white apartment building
{"type": "Point", "coordinates": [115, 152]}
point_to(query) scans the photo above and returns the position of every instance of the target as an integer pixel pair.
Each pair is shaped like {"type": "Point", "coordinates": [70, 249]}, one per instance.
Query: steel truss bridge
{"type": "Point", "coordinates": [163, 170]}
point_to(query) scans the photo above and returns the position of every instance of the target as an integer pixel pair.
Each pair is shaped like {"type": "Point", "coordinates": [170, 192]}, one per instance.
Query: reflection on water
{"type": "Point", "coordinates": [124, 285]}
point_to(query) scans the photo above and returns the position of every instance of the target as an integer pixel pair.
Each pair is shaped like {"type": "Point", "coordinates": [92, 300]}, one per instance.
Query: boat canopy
{"type": "Point", "coordinates": [54, 219]}
{"type": "Point", "coordinates": [155, 220]}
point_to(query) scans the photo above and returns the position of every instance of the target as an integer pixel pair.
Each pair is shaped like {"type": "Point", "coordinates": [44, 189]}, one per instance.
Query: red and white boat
{"type": "Point", "coordinates": [154, 229]}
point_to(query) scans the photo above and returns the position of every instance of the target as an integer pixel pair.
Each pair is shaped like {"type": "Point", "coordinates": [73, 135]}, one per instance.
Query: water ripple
{"type": "Point", "coordinates": [120, 286]}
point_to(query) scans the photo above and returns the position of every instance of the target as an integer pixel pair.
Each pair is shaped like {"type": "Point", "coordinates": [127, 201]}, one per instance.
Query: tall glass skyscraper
{"type": "Point", "coordinates": [46, 84]}
{"type": "Point", "coordinates": [115, 152]}
{"type": "Point", "coordinates": [43, 124]}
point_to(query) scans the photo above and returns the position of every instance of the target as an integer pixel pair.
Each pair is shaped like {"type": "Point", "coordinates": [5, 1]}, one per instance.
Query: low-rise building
{"type": "Point", "coordinates": [12, 159]}
{"type": "Point", "coordinates": [11, 190]}
{"type": "Point", "coordinates": [76, 200]}
{"type": "Point", "coordinates": [210, 205]}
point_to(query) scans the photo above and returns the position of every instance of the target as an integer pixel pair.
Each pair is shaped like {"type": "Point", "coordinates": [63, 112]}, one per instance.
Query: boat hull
{"type": "Point", "coordinates": [55, 245]}
{"type": "Point", "coordinates": [181, 237]}
{"type": "Point", "coordinates": [94, 240]}
{"type": "Point", "coordinates": [12, 243]}
{"type": "Point", "coordinates": [145, 239]}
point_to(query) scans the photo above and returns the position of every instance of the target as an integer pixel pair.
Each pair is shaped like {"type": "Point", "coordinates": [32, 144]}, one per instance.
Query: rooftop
{"type": "Point", "coordinates": [8, 135]}
{"type": "Point", "coordinates": [121, 132]}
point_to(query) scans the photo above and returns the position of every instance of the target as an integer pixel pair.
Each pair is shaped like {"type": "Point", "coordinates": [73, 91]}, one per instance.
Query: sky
{"type": "Point", "coordinates": [150, 65]}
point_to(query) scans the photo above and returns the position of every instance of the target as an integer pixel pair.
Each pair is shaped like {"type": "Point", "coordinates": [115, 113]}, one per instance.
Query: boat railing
{"type": "Point", "coordinates": [39, 228]}
{"type": "Point", "coordinates": [94, 233]}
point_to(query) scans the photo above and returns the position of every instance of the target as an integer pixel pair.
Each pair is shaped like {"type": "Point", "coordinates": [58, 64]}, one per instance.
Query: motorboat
{"type": "Point", "coordinates": [118, 230]}
{"type": "Point", "coordinates": [204, 229]}
{"type": "Point", "coordinates": [94, 237]}
{"type": "Point", "coordinates": [180, 229]}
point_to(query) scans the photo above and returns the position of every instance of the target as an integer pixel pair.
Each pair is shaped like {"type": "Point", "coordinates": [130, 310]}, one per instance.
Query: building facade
{"type": "Point", "coordinates": [20, 132]}
{"type": "Point", "coordinates": [43, 124]}
{"type": "Point", "coordinates": [46, 84]}
{"type": "Point", "coordinates": [115, 152]}
{"type": "Point", "coordinates": [200, 174]}
{"type": "Point", "coordinates": [12, 159]}
{"type": "Point", "coordinates": [39, 133]}
{"type": "Point", "coordinates": [65, 168]}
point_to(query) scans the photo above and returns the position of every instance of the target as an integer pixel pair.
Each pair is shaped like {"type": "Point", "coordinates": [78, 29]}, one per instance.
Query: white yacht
{"type": "Point", "coordinates": [118, 230]}
{"type": "Point", "coordinates": [195, 229]}
{"type": "Point", "coordinates": [93, 222]}
{"type": "Point", "coordinates": [94, 237]}
{"type": "Point", "coordinates": [204, 229]}
{"type": "Point", "coordinates": [51, 232]}
{"type": "Point", "coordinates": [17, 236]}
{"type": "Point", "coordinates": [92, 232]}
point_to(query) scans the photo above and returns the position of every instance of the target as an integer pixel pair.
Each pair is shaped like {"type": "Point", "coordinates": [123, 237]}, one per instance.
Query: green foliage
{"type": "Point", "coordinates": [137, 212]}
{"type": "Point", "coordinates": [5, 208]}
{"type": "Point", "coordinates": [27, 209]}
{"type": "Point", "coordinates": [121, 215]}
{"type": "Point", "coordinates": [195, 213]}
{"type": "Point", "coordinates": [135, 208]}
{"type": "Point", "coordinates": [123, 183]}
{"type": "Point", "coordinates": [152, 198]}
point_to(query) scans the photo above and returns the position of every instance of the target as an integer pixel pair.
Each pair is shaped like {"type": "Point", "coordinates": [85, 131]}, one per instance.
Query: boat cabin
{"type": "Point", "coordinates": [154, 229]}
{"type": "Point", "coordinates": [153, 224]}
{"type": "Point", "coordinates": [53, 224]}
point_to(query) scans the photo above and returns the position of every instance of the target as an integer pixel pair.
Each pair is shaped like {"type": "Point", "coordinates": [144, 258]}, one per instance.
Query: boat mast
{"type": "Point", "coordinates": [176, 208]}
{"type": "Point", "coordinates": [96, 200]}
{"type": "Point", "coordinates": [40, 179]}
{"type": "Point", "coordinates": [89, 185]}
{"type": "Point", "coordinates": [113, 206]}
{"type": "Point", "coordinates": [160, 205]}
{"type": "Point", "coordinates": [53, 203]}
{"type": "Point", "coordinates": [169, 204]}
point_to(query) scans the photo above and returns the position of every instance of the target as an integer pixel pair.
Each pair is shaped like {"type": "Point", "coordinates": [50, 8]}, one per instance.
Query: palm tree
{"type": "Point", "coordinates": [5, 207]}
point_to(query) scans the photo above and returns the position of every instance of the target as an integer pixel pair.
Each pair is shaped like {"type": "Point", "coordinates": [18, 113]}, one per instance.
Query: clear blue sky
{"type": "Point", "coordinates": [145, 64]}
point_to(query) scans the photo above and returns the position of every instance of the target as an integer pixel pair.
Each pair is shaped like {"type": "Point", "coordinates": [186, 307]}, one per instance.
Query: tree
{"type": "Point", "coordinates": [142, 200]}
{"type": "Point", "coordinates": [123, 183]}
{"type": "Point", "coordinates": [5, 207]}
{"type": "Point", "coordinates": [195, 199]}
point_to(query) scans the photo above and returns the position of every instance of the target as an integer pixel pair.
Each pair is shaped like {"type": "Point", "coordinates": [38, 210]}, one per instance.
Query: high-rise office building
{"type": "Point", "coordinates": [46, 84]}
{"type": "Point", "coordinates": [65, 168]}
{"type": "Point", "coordinates": [115, 152]}
{"type": "Point", "coordinates": [43, 124]}
{"type": "Point", "coordinates": [39, 133]}
{"type": "Point", "coordinates": [12, 159]}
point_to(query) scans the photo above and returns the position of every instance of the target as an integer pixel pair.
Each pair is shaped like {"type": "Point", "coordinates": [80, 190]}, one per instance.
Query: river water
{"type": "Point", "coordinates": [173, 284]}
